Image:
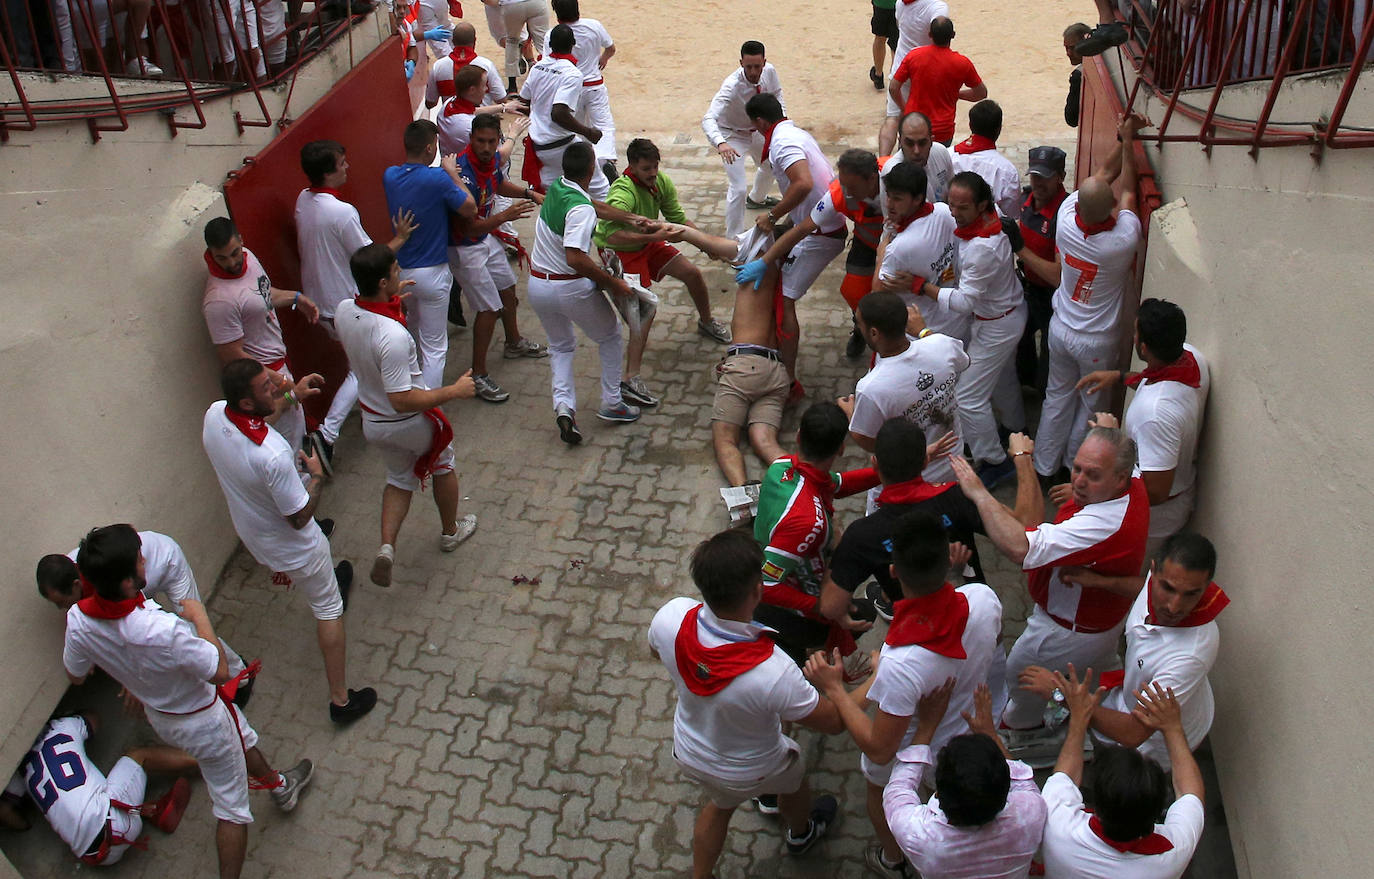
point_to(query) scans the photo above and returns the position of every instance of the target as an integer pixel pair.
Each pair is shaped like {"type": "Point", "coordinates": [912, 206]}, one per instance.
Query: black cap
{"type": "Point", "coordinates": [1047, 161]}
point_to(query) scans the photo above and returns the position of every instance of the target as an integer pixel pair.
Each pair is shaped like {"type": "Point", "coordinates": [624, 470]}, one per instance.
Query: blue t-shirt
{"type": "Point", "coordinates": [430, 194]}
{"type": "Point", "coordinates": [482, 190]}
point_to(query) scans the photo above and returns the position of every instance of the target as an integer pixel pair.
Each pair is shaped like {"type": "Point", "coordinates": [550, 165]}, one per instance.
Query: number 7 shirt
{"type": "Point", "coordinates": [1097, 260]}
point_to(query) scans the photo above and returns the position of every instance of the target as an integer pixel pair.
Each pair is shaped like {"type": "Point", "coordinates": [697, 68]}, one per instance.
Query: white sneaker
{"type": "Point", "coordinates": [381, 565]}
{"type": "Point", "coordinates": [466, 525]}
{"type": "Point", "coordinates": [141, 66]}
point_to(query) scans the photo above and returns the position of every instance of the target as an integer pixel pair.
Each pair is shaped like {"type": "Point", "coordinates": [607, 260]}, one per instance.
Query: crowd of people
{"type": "Point", "coordinates": [969, 292]}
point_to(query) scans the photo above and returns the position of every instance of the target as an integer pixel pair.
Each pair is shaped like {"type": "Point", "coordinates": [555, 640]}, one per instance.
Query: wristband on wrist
{"type": "Point", "coordinates": [923, 333]}
{"type": "Point", "coordinates": [290, 398]}
{"type": "Point", "coordinates": [295, 301]}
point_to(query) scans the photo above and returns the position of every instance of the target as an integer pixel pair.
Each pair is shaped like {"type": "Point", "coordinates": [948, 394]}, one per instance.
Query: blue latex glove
{"type": "Point", "coordinates": [441, 34]}
{"type": "Point", "coordinates": [410, 69]}
{"type": "Point", "coordinates": [751, 271]}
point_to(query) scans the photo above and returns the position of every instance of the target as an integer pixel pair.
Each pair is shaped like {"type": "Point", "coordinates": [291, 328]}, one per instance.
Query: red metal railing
{"type": "Point", "coordinates": [1179, 49]}
{"type": "Point", "coordinates": [206, 49]}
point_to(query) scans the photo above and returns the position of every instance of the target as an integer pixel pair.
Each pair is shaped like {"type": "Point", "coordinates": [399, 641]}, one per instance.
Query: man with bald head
{"type": "Point", "coordinates": [1102, 525]}
{"type": "Point", "coordinates": [440, 84]}
{"type": "Point", "coordinates": [916, 145]}
{"type": "Point", "coordinates": [1097, 235]}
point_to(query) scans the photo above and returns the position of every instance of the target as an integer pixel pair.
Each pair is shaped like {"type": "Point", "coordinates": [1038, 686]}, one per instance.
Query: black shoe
{"type": "Point", "coordinates": [245, 692]}
{"type": "Point", "coordinates": [511, 87]}
{"type": "Point", "coordinates": [323, 449]}
{"type": "Point", "coordinates": [609, 169]}
{"type": "Point", "coordinates": [854, 348]}
{"type": "Point", "coordinates": [877, 78]}
{"type": "Point", "coordinates": [767, 804]}
{"type": "Point", "coordinates": [1058, 477]}
{"type": "Point", "coordinates": [823, 812]}
{"type": "Point", "coordinates": [327, 526]}
{"type": "Point", "coordinates": [769, 202]}
{"type": "Point", "coordinates": [993, 475]}
{"type": "Point", "coordinates": [524, 65]}
{"type": "Point", "coordinates": [1102, 38]}
{"type": "Point", "coordinates": [455, 306]}
{"type": "Point", "coordinates": [343, 572]}
{"type": "Point", "coordinates": [359, 703]}
{"type": "Point", "coordinates": [881, 603]}
{"type": "Point", "coordinates": [567, 426]}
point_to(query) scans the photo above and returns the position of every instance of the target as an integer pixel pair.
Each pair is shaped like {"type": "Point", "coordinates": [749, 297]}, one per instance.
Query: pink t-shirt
{"type": "Point", "coordinates": [241, 308]}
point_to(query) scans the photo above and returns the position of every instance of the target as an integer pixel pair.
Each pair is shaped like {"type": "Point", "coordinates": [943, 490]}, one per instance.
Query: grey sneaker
{"type": "Point", "coordinates": [525, 348]}
{"type": "Point", "coordinates": [296, 778]}
{"type": "Point", "coordinates": [489, 390]}
{"type": "Point", "coordinates": [466, 525]}
{"type": "Point", "coordinates": [623, 412]}
{"type": "Point", "coordinates": [715, 328]}
{"type": "Point", "coordinates": [636, 392]}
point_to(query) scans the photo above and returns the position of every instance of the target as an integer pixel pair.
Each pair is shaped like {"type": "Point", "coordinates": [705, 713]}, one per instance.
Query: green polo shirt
{"type": "Point", "coordinates": [630, 196]}
{"type": "Point", "coordinates": [885, 4]}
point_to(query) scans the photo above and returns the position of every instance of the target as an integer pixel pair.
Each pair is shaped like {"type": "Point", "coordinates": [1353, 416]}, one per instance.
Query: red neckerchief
{"type": "Point", "coordinates": [975, 143]}
{"type": "Point", "coordinates": [457, 106]}
{"type": "Point", "coordinates": [912, 491]}
{"type": "Point", "coordinates": [327, 191]}
{"type": "Point", "coordinates": [391, 308]}
{"type": "Point", "coordinates": [935, 622]}
{"type": "Point", "coordinates": [986, 226]}
{"type": "Point", "coordinates": [768, 135]}
{"type": "Point", "coordinates": [250, 426]}
{"type": "Point", "coordinates": [87, 590]}
{"type": "Point", "coordinates": [98, 608]}
{"type": "Point", "coordinates": [1209, 607]}
{"type": "Point", "coordinates": [820, 480]}
{"type": "Point", "coordinates": [641, 184]}
{"type": "Point", "coordinates": [1184, 370]}
{"type": "Point", "coordinates": [443, 435]}
{"type": "Point", "coordinates": [708, 670]}
{"type": "Point", "coordinates": [482, 176]}
{"type": "Point", "coordinates": [218, 272]}
{"type": "Point", "coordinates": [455, 9]}
{"type": "Point", "coordinates": [462, 56]}
{"type": "Point", "coordinates": [1150, 844]}
{"type": "Point", "coordinates": [1093, 228]}
{"type": "Point", "coordinates": [925, 210]}
{"type": "Point", "coordinates": [564, 55]}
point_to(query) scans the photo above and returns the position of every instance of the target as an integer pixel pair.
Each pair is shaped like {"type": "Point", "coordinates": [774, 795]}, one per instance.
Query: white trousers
{"type": "Point", "coordinates": [128, 783]}
{"type": "Point", "coordinates": [746, 143]}
{"type": "Point", "coordinates": [1047, 644]}
{"type": "Point", "coordinates": [210, 736]}
{"type": "Point", "coordinates": [991, 377]}
{"type": "Point", "coordinates": [551, 168]}
{"type": "Point", "coordinates": [1064, 418]}
{"type": "Point", "coordinates": [596, 112]}
{"type": "Point", "coordinates": [560, 305]}
{"type": "Point", "coordinates": [272, 15]}
{"type": "Point", "coordinates": [345, 398]}
{"type": "Point", "coordinates": [531, 14]}
{"type": "Point", "coordinates": [427, 314]}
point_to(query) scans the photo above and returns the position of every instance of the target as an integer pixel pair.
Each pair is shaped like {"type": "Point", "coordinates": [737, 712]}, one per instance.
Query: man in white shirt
{"type": "Point", "coordinates": [986, 817]}
{"type": "Point", "coordinates": [991, 292]}
{"type": "Point", "coordinates": [173, 665]}
{"type": "Point", "coordinates": [1165, 415]}
{"type": "Point", "coordinates": [938, 633]}
{"type": "Point", "coordinates": [1096, 259]}
{"type": "Point", "coordinates": [464, 54]}
{"type": "Point", "coordinates": [594, 49]}
{"type": "Point", "coordinates": [273, 514]}
{"type": "Point", "coordinates": [916, 145]}
{"type": "Point", "coordinates": [728, 127]}
{"type": "Point", "coordinates": [401, 415]}
{"type": "Point", "coordinates": [553, 91]}
{"type": "Point", "coordinates": [1120, 839]}
{"type": "Point", "coordinates": [978, 153]}
{"type": "Point", "coordinates": [913, 30]}
{"type": "Point", "coordinates": [240, 309]}
{"type": "Point", "coordinates": [918, 247]}
{"type": "Point", "coordinates": [735, 687]}
{"type": "Point", "coordinates": [328, 230]}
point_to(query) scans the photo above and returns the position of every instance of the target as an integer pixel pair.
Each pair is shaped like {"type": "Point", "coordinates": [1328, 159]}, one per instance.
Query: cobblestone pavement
{"type": "Point", "coordinates": [522, 729]}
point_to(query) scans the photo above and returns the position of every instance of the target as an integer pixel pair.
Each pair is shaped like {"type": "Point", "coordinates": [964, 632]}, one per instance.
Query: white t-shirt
{"type": "Point", "coordinates": [1165, 420]}
{"type": "Point", "coordinates": [68, 788]}
{"type": "Point", "coordinates": [829, 219]}
{"type": "Point", "coordinates": [726, 116]}
{"type": "Point", "coordinates": [925, 248]}
{"type": "Point", "coordinates": [455, 129]}
{"type": "Point", "coordinates": [551, 81]}
{"type": "Point", "coordinates": [241, 308]}
{"type": "Point", "coordinates": [1171, 656]}
{"type": "Point", "coordinates": [913, 25]}
{"type": "Point", "coordinates": [164, 568]}
{"type": "Point", "coordinates": [547, 254]}
{"type": "Point", "coordinates": [734, 734]}
{"type": "Point", "coordinates": [939, 169]}
{"type": "Point", "coordinates": [906, 673]}
{"type": "Point", "coordinates": [1070, 848]}
{"type": "Point", "coordinates": [261, 487]}
{"type": "Point", "coordinates": [328, 233]}
{"type": "Point", "coordinates": [1096, 269]}
{"type": "Point", "coordinates": [1001, 175]}
{"type": "Point", "coordinates": [988, 285]}
{"type": "Point", "coordinates": [154, 654]}
{"type": "Point", "coordinates": [917, 385]}
{"type": "Point", "coordinates": [440, 84]}
{"type": "Point", "coordinates": [381, 354]}
{"type": "Point", "coordinates": [591, 39]}
{"type": "Point", "coordinates": [790, 145]}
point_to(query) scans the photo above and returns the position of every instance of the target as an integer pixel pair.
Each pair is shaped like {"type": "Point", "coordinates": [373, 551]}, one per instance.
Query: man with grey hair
{"type": "Point", "coordinates": [1073, 35]}
{"type": "Point", "coordinates": [1103, 526]}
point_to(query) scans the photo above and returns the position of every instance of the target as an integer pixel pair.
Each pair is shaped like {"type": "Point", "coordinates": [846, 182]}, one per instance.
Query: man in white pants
{"type": "Point", "coordinates": [174, 665]}
{"type": "Point", "coordinates": [274, 517]}
{"type": "Point", "coordinates": [1097, 249]}
{"type": "Point", "coordinates": [918, 248]}
{"type": "Point", "coordinates": [593, 50]}
{"type": "Point", "coordinates": [432, 195]}
{"type": "Point", "coordinates": [240, 308]}
{"type": "Point", "coordinates": [563, 290]}
{"type": "Point", "coordinates": [553, 91]}
{"type": "Point", "coordinates": [518, 16]}
{"type": "Point", "coordinates": [989, 290]}
{"type": "Point", "coordinates": [728, 128]}
{"type": "Point", "coordinates": [913, 30]}
{"type": "Point", "coordinates": [401, 415]}
{"type": "Point", "coordinates": [328, 230]}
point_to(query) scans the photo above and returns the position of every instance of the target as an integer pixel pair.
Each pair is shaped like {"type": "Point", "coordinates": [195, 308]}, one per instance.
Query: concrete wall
{"type": "Point", "coordinates": [105, 365]}
{"type": "Point", "coordinates": [1272, 260]}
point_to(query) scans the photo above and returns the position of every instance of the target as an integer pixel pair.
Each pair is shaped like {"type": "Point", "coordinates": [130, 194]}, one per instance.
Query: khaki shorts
{"type": "Point", "coordinates": [750, 389]}
{"type": "Point", "coordinates": [728, 793]}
